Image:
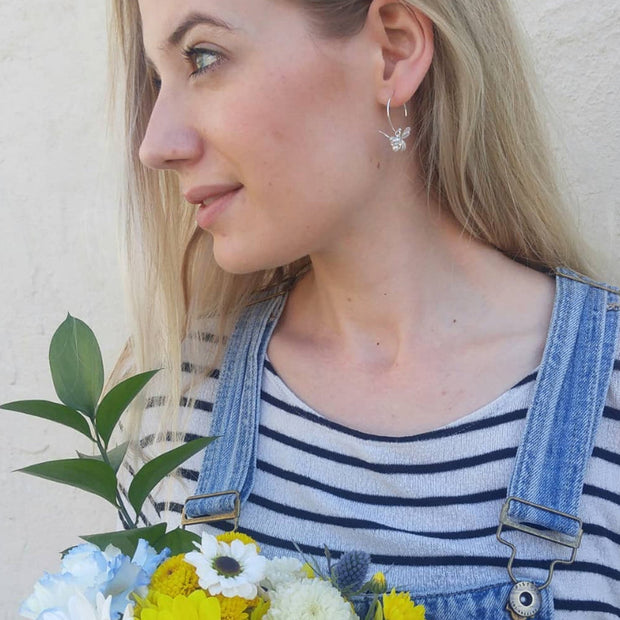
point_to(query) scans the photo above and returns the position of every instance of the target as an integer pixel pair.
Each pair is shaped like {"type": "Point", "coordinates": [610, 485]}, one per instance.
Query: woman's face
{"type": "Point", "coordinates": [279, 123]}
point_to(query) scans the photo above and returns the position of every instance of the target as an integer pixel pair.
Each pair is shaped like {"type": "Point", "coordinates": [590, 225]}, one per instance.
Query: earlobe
{"type": "Point", "coordinates": [405, 36]}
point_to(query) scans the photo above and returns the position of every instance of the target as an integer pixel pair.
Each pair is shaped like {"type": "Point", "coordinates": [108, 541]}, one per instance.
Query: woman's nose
{"type": "Point", "coordinates": [170, 141]}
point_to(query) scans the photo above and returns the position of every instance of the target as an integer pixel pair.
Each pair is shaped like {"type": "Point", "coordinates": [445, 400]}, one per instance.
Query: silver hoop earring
{"type": "Point", "coordinates": [400, 135]}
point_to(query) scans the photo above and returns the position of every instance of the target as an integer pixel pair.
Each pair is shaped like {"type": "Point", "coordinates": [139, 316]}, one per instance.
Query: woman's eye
{"type": "Point", "coordinates": [202, 59]}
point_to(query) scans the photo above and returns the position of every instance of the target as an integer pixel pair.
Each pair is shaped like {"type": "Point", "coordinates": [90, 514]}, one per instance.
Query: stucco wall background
{"type": "Point", "coordinates": [58, 223]}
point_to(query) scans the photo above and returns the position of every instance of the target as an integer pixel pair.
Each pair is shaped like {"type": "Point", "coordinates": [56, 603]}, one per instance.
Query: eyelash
{"type": "Point", "coordinates": [191, 53]}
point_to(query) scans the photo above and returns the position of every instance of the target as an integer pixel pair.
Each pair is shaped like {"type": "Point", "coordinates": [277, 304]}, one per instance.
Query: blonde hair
{"type": "Point", "coordinates": [479, 139]}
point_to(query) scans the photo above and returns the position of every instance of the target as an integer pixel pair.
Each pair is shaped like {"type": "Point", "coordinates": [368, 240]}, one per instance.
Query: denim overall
{"type": "Point", "coordinates": [547, 481]}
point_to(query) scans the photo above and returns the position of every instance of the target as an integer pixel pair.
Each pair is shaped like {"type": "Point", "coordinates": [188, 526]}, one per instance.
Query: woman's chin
{"type": "Point", "coordinates": [242, 261]}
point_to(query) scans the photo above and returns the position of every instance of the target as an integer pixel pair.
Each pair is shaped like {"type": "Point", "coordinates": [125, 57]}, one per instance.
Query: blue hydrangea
{"type": "Point", "coordinates": [351, 570]}
{"type": "Point", "coordinates": [90, 567]}
{"type": "Point", "coordinates": [88, 570]}
{"type": "Point", "coordinates": [50, 592]}
{"type": "Point", "coordinates": [130, 575]}
{"type": "Point", "coordinates": [125, 578]}
{"type": "Point", "coordinates": [148, 559]}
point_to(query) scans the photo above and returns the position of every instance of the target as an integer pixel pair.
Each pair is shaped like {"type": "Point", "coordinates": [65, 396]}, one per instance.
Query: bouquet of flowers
{"type": "Point", "coordinates": [223, 578]}
{"type": "Point", "coordinates": [151, 574]}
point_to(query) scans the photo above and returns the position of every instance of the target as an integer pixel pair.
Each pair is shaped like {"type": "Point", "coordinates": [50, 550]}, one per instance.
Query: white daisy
{"type": "Point", "coordinates": [311, 599]}
{"type": "Point", "coordinates": [233, 569]}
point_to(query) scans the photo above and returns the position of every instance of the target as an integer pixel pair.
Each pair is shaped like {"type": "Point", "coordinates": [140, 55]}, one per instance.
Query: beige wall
{"type": "Point", "coordinates": [58, 254]}
{"type": "Point", "coordinates": [58, 221]}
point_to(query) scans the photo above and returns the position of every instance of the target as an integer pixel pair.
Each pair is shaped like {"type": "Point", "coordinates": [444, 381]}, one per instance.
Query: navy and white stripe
{"type": "Point", "coordinates": [426, 507]}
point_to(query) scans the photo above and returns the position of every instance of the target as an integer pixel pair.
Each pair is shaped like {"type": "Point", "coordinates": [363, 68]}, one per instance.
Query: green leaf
{"type": "Point", "coordinates": [115, 456]}
{"type": "Point", "coordinates": [117, 400]}
{"type": "Point", "coordinates": [76, 365]}
{"type": "Point", "coordinates": [158, 468]}
{"type": "Point", "coordinates": [178, 541]}
{"type": "Point", "coordinates": [86, 474]}
{"type": "Point", "coordinates": [127, 540]}
{"type": "Point", "coordinates": [51, 411]}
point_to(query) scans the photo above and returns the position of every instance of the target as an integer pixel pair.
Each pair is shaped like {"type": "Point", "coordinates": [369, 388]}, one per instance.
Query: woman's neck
{"type": "Point", "coordinates": [411, 280]}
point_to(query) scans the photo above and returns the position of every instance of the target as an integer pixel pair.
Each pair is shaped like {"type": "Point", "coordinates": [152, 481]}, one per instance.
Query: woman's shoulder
{"type": "Point", "coordinates": [613, 306]}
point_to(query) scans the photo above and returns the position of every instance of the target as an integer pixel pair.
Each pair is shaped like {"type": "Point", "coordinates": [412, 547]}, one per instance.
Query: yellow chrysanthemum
{"type": "Point", "coordinates": [228, 537]}
{"type": "Point", "coordinates": [197, 606]}
{"type": "Point", "coordinates": [399, 606]}
{"type": "Point", "coordinates": [234, 608]}
{"type": "Point", "coordinates": [175, 577]}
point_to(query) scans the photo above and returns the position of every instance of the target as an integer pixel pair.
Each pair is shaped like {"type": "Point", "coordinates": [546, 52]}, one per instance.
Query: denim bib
{"type": "Point", "coordinates": [545, 490]}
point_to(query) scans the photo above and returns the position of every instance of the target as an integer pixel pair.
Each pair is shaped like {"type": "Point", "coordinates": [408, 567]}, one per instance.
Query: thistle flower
{"type": "Point", "coordinates": [350, 572]}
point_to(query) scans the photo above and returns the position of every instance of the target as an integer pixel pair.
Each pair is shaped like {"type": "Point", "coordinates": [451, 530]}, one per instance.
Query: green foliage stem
{"type": "Point", "coordinates": [77, 373]}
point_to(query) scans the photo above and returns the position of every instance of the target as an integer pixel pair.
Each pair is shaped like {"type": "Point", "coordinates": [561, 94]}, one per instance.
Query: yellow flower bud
{"type": "Point", "coordinates": [378, 584]}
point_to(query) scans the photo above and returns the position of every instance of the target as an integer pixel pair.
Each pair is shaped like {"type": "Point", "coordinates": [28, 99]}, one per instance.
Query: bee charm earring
{"type": "Point", "coordinates": [397, 141]}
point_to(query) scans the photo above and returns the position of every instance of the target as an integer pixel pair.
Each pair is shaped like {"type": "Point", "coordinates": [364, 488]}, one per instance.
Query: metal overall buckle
{"type": "Point", "coordinates": [525, 599]}
{"type": "Point", "coordinates": [227, 516]}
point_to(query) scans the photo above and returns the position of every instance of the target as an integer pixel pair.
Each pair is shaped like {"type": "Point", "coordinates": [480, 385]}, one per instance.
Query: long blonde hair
{"type": "Point", "coordinates": [479, 137]}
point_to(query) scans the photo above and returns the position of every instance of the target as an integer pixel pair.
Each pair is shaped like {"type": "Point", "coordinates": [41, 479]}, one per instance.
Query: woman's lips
{"type": "Point", "coordinates": [213, 199]}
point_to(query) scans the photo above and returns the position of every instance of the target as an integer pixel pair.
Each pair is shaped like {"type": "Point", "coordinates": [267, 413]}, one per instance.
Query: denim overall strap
{"type": "Point", "coordinates": [568, 403]}
{"type": "Point", "coordinates": [230, 461]}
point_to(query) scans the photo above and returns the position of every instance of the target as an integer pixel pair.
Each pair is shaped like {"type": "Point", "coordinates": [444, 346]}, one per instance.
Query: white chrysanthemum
{"type": "Point", "coordinates": [311, 599]}
{"type": "Point", "coordinates": [280, 571]}
{"type": "Point", "coordinates": [233, 569]}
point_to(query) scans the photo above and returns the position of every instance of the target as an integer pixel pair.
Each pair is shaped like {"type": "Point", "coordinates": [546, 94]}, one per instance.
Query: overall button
{"type": "Point", "coordinates": [524, 601]}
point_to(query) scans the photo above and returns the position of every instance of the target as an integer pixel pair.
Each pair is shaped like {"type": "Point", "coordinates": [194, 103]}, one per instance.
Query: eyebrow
{"type": "Point", "coordinates": [193, 20]}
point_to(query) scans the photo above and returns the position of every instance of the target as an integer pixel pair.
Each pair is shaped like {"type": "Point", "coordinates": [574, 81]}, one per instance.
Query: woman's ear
{"type": "Point", "coordinates": [404, 37]}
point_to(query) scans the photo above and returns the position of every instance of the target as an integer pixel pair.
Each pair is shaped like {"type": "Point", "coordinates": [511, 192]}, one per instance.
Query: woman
{"type": "Point", "coordinates": [360, 298]}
